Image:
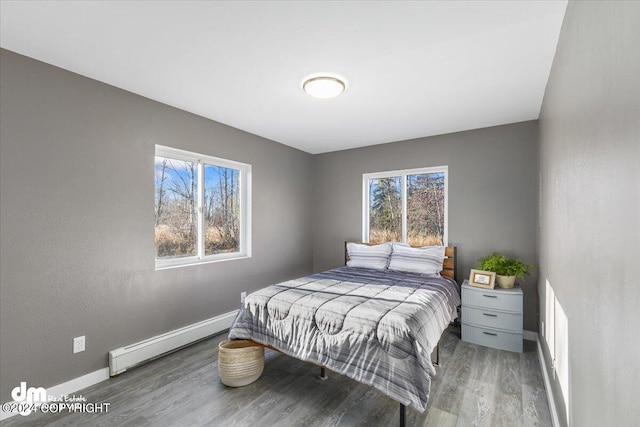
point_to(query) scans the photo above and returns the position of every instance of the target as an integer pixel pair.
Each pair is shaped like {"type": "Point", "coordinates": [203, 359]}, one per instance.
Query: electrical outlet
{"type": "Point", "coordinates": [243, 295]}
{"type": "Point", "coordinates": [78, 344]}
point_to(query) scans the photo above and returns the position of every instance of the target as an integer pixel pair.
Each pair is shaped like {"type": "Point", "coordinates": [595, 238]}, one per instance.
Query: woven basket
{"type": "Point", "coordinates": [240, 362]}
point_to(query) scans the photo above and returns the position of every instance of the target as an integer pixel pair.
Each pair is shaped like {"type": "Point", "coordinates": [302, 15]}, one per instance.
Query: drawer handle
{"type": "Point", "coordinates": [490, 315]}
{"type": "Point", "coordinates": [490, 296]}
{"type": "Point", "coordinates": [490, 333]}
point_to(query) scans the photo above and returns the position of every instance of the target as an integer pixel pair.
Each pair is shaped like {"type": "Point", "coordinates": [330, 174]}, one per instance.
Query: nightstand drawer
{"type": "Point", "coordinates": [504, 299]}
{"type": "Point", "coordinates": [492, 319]}
{"type": "Point", "coordinates": [503, 340]}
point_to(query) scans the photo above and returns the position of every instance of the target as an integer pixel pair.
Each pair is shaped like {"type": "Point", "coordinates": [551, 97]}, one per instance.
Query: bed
{"type": "Point", "coordinates": [378, 326]}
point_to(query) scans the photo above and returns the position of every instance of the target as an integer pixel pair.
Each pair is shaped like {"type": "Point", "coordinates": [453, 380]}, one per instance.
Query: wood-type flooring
{"type": "Point", "coordinates": [475, 386]}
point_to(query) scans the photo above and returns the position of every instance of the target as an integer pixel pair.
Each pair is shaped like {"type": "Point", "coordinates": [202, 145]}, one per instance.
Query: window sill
{"type": "Point", "coordinates": [170, 264]}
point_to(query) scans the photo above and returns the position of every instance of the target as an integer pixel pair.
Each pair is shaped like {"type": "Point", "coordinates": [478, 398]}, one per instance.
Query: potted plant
{"type": "Point", "coordinates": [506, 269]}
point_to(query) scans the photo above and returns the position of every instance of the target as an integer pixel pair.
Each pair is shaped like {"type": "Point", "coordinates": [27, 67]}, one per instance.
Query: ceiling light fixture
{"type": "Point", "coordinates": [324, 86]}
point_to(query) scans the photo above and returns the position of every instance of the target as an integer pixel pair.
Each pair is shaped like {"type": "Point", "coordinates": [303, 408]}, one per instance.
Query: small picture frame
{"type": "Point", "coordinates": [482, 279]}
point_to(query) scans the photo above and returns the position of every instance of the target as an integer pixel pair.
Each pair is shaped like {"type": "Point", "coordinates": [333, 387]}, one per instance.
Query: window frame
{"type": "Point", "coordinates": [244, 190]}
{"type": "Point", "coordinates": [403, 173]}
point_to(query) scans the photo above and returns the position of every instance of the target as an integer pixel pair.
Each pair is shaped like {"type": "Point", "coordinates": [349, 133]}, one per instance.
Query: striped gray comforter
{"type": "Point", "coordinates": [377, 327]}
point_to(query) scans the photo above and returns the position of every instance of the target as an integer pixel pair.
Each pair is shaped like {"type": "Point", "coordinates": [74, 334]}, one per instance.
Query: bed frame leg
{"type": "Point", "coordinates": [402, 415]}
{"type": "Point", "coordinates": [437, 362]}
{"type": "Point", "coordinates": [323, 373]}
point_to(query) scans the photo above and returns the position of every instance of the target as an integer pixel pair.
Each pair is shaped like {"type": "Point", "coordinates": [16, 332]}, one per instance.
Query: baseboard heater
{"type": "Point", "coordinates": [124, 358]}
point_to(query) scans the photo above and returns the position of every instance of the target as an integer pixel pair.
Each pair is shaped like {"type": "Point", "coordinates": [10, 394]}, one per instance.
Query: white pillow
{"type": "Point", "coordinates": [364, 256]}
{"type": "Point", "coordinates": [425, 260]}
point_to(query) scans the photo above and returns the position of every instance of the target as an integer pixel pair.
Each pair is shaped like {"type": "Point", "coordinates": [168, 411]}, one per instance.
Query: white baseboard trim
{"type": "Point", "coordinates": [547, 385]}
{"type": "Point", "coordinates": [68, 388]}
{"type": "Point", "coordinates": [79, 383]}
{"type": "Point", "coordinates": [216, 325]}
{"type": "Point", "coordinates": [530, 335]}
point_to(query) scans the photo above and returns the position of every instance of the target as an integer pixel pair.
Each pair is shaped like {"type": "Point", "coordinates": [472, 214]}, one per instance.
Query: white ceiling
{"type": "Point", "coordinates": [414, 68]}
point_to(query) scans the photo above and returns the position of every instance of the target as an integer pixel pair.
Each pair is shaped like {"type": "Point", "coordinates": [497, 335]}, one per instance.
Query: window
{"type": "Point", "coordinates": [550, 318]}
{"type": "Point", "coordinates": [562, 354]}
{"type": "Point", "coordinates": [406, 206]}
{"type": "Point", "coordinates": [556, 334]}
{"type": "Point", "coordinates": [202, 208]}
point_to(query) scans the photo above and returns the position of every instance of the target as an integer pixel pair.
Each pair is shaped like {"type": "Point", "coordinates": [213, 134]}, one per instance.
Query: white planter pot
{"type": "Point", "coordinates": [505, 282]}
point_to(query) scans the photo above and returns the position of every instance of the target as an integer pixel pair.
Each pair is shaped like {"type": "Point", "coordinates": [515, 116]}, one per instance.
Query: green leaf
{"type": "Point", "coordinates": [504, 266]}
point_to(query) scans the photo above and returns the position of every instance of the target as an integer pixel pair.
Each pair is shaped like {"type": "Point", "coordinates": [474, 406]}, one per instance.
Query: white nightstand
{"type": "Point", "coordinates": [492, 317]}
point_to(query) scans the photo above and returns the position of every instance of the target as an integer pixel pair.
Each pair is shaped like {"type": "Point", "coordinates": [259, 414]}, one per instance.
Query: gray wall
{"type": "Point", "coordinates": [492, 195]}
{"type": "Point", "coordinates": [589, 212]}
{"type": "Point", "coordinates": [77, 221]}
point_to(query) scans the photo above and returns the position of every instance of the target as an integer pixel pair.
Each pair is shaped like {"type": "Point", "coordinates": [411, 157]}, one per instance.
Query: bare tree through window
{"type": "Point", "coordinates": [408, 207]}
{"type": "Point", "coordinates": [193, 218]}
{"type": "Point", "coordinates": [221, 210]}
{"type": "Point", "coordinates": [176, 220]}
{"type": "Point", "coordinates": [385, 212]}
{"type": "Point", "coordinates": [425, 209]}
